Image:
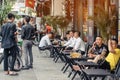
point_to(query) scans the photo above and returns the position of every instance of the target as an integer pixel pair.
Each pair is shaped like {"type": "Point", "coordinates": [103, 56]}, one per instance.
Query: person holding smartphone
{"type": "Point", "coordinates": [113, 57]}
{"type": "Point", "coordinates": [98, 51]}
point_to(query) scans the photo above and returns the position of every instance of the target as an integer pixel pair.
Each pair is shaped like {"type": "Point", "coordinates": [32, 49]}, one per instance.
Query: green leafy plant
{"type": "Point", "coordinates": [56, 21]}
{"type": "Point", "coordinates": [5, 9]}
{"type": "Point", "coordinates": [3, 12]}
{"type": "Point", "coordinates": [103, 21]}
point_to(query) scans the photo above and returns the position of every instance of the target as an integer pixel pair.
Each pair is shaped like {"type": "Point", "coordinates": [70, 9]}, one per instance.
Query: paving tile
{"type": "Point", "coordinates": [44, 69]}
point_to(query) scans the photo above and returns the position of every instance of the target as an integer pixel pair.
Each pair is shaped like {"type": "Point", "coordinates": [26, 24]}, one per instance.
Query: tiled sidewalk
{"type": "Point", "coordinates": [44, 69]}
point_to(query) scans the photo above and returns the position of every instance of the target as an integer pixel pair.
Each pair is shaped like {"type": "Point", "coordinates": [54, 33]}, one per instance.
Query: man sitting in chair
{"type": "Point", "coordinates": [71, 42]}
{"type": "Point", "coordinates": [79, 43]}
{"type": "Point", "coordinates": [45, 42]}
{"type": "Point", "coordinates": [113, 57]}
{"type": "Point", "coordinates": [97, 51]}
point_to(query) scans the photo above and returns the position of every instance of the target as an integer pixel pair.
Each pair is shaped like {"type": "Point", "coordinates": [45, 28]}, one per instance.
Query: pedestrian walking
{"type": "Point", "coordinates": [28, 36]}
{"type": "Point", "coordinates": [9, 43]}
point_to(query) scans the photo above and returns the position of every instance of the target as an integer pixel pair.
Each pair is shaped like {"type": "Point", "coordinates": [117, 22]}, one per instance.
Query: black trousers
{"type": "Point", "coordinates": [69, 48]}
{"type": "Point", "coordinates": [105, 65]}
{"type": "Point", "coordinates": [10, 52]}
{"type": "Point", "coordinates": [50, 48]}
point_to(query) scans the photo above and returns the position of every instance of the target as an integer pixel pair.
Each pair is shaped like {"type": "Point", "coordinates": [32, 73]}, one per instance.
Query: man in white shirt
{"type": "Point", "coordinates": [79, 43]}
{"type": "Point", "coordinates": [45, 41]}
{"type": "Point", "coordinates": [71, 42]}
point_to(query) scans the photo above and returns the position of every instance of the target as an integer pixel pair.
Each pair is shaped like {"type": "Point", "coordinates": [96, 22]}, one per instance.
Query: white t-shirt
{"type": "Point", "coordinates": [45, 41]}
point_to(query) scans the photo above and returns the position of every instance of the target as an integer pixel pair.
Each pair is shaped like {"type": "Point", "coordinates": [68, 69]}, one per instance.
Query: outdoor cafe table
{"type": "Point", "coordinates": [80, 61]}
{"type": "Point", "coordinates": [66, 53]}
{"type": "Point", "coordinates": [57, 52]}
{"type": "Point", "coordinates": [88, 64]}
{"type": "Point", "coordinates": [70, 61]}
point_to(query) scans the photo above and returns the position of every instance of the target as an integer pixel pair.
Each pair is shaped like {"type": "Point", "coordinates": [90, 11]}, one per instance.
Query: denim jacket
{"type": "Point", "coordinates": [8, 35]}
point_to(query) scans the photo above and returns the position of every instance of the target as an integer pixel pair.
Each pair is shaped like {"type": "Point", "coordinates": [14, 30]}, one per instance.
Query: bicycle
{"type": "Point", "coordinates": [18, 63]}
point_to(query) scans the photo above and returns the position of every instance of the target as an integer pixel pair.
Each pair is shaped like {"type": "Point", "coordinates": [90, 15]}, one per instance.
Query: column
{"type": "Point", "coordinates": [57, 7]}
{"type": "Point", "coordinates": [90, 7]}
{"type": "Point", "coordinates": [106, 5]}
{"type": "Point", "coordinates": [72, 13]}
{"type": "Point", "coordinates": [118, 21]}
{"type": "Point", "coordinates": [52, 9]}
{"type": "Point", "coordinates": [90, 22]}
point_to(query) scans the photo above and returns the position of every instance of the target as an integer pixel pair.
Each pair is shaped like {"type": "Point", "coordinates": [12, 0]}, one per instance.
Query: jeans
{"type": "Point", "coordinates": [28, 56]}
{"type": "Point", "coordinates": [7, 52]}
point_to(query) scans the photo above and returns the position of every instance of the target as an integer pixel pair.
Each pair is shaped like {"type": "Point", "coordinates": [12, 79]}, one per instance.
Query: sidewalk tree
{"type": "Point", "coordinates": [63, 23]}
{"type": "Point", "coordinates": [104, 21]}
{"type": "Point", "coordinates": [5, 8]}
{"type": "Point", "coordinates": [3, 12]}
{"type": "Point", "coordinates": [57, 22]}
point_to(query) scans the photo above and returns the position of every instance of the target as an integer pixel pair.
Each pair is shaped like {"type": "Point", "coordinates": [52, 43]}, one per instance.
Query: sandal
{"type": "Point", "coordinates": [13, 73]}
{"type": "Point", "coordinates": [6, 72]}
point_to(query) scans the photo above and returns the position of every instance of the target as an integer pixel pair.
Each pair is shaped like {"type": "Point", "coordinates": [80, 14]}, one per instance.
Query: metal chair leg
{"type": "Point", "coordinates": [70, 73]}
{"type": "Point", "coordinates": [64, 66]}
{"type": "Point", "coordinates": [74, 75]}
{"type": "Point", "coordinates": [56, 59]}
{"type": "Point", "coordinates": [66, 69]}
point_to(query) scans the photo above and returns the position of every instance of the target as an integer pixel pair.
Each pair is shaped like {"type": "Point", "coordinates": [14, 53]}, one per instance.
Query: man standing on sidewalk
{"type": "Point", "coordinates": [9, 43]}
{"type": "Point", "coordinates": [28, 36]}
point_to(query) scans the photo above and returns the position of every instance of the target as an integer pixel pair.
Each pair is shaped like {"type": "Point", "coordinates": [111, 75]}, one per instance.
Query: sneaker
{"type": "Point", "coordinates": [16, 70]}
{"type": "Point", "coordinates": [30, 66]}
{"type": "Point", "coordinates": [25, 68]}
